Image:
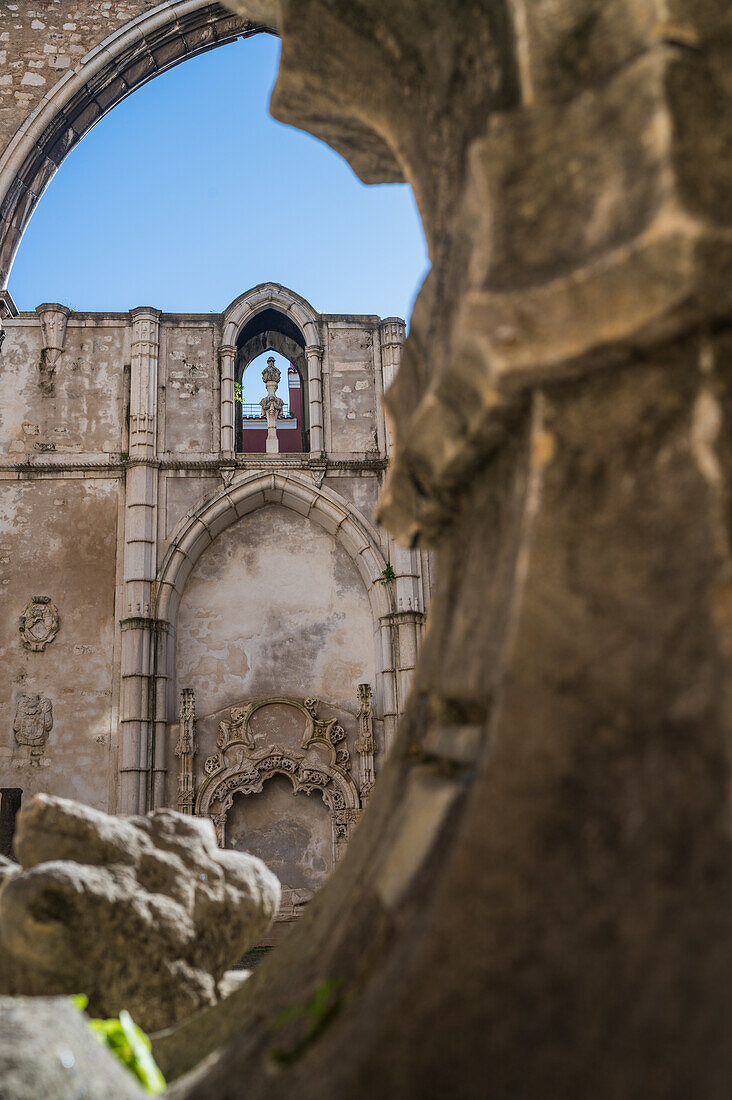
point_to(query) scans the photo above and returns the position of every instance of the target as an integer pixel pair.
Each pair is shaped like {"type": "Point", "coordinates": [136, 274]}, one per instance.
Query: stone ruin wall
{"type": "Point", "coordinates": [276, 606]}
{"type": "Point", "coordinates": [561, 420]}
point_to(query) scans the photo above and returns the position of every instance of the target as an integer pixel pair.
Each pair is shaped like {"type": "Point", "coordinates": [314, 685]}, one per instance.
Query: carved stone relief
{"type": "Point", "coordinates": [53, 318]}
{"type": "Point", "coordinates": [320, 763]}
{"type": "Point", "coordinates": [365, 746]}
{"type": "Point", "coordinates": [185, 750]}
{"type": "Point", "coordinates": [33, 723]}
{"type": "Point", "coordinates": [39, 623]}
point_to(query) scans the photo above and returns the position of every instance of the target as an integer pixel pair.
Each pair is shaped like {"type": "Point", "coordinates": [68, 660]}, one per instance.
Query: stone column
{"type": "Point", "coordinates": [392, 333]}
{"type": "Point", "coordinates": [314, 354]}
{"type": "Point", "coordinates": [271, 405]}
{"type": "Point", "coordinates": [138, 633]}
{"type": "Point", "coordinates": [227, 353]}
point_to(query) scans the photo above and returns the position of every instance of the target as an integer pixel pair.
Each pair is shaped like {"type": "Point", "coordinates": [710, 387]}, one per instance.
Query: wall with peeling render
{"type": "Point", "coordinates": [275, 606]}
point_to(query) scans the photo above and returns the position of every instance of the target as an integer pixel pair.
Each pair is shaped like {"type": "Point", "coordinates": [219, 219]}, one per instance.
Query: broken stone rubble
{"type": "Point", "coordinates": [139, 913]}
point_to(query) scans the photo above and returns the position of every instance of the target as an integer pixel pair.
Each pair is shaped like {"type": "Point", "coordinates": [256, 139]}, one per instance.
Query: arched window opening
{"type": "Point", "coordinates": [271, 337]}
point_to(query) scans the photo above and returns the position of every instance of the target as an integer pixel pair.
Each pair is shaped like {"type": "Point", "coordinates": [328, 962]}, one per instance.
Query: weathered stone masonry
{"type": "Point", "coordinates": [537, 900]}
{"type": "Point", "coordinates": [142, 555]}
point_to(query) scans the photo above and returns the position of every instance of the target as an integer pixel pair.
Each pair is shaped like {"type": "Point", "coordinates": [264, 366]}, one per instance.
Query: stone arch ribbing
{"type": "Point", "coordinates": [332, 512]}
{"type": "Point", "coordinates": [270, 296]}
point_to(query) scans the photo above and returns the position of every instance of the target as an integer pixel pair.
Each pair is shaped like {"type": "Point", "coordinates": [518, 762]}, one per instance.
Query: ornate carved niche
{"type": "Point", "coordinates": [33, 723]}
{"type": "Point", "coordinates": [38, 623]}
{"type": "Point", "coordinates": [247, 756]}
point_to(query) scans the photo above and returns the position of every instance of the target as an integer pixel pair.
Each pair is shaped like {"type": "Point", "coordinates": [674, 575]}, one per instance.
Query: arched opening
{"type": "Point", "coordinates": [271, 331]}
{"type": "Point", "coordinates": [291, 831]}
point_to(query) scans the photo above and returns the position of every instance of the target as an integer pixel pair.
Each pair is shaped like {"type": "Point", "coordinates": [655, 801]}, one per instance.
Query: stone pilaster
{"type": "Point", "coordinates": [227, 356]}
{"type": "Point", "coordinates": [144, 381]}
{"type": "Point", "coordinates": [138, 624]}
{"type": "Point", "coordinates": [393, 333]}
{"type": "Point", "coordinates": [314, 354]}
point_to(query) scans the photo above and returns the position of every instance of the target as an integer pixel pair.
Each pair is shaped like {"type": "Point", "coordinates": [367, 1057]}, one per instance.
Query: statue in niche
{"type": "Point", "coordinates": [272, 405]}
{"type": "Point", "coordinates": [39, 623]}
{"type": "Point", "coordinates": [33, 723]}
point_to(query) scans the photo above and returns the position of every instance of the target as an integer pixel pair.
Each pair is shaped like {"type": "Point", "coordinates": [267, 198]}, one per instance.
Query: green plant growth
{"type": "Point", "coordinates": [388, 574]}
{"type": "Point", "coordinates": [123, 456]}
{"type": "Point", "coordinates": [237, 392]}
{"type": "Point", "coordinates": [129, 1043]}
{"type": "Point", "coordinates": [317, 1012]}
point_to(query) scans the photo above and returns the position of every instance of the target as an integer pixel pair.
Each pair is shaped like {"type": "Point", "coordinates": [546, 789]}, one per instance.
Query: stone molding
{"type": "Point", "coordinates": [270, 296]}
{"type": "Point", "coordinates": [337, 516]}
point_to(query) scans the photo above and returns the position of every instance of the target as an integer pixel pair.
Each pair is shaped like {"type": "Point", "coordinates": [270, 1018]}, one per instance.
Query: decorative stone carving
{"type": "Point", "coordinates": [39, 623]}
{"type": "Point", "coordinates": [8, 308]}
{"type": "Point", "coordinates": [312, 705]}
{"type": "Point", "coordinates": [235, 728]}
{"type": "Point", "coordinates": [321, 763]}
{"type": "Point", "coordinates": [33, 723]}
{"type": "Point", "coordinates": [185, 750]}
{"type": "Point", "coordinates": [365, 746]}
{"type": "Point", "coordinates": [272, 405]}
{"type": "Point", "coordinates": [53, 318]}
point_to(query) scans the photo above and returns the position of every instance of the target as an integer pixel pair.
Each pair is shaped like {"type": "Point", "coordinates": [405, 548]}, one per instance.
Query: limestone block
{"type": "Point", "coordinates": [47, 1049]}
{"type": "Point", "coordinates": [140, 913]}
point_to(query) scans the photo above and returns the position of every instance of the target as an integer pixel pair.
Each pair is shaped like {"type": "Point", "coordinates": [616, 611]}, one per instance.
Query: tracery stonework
{"type": "Point", "coordinates": [260, 740]}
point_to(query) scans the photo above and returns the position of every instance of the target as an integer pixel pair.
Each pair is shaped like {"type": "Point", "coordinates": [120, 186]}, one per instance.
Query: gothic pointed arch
{"type": "Point", "coordinates": [270, 296]}
{"type": "Point", "coordinates": [337, 516]}
{"type": "Point", "coordinates": [332, 512]}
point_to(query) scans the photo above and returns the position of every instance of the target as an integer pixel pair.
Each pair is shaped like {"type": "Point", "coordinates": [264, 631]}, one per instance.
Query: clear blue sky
{"type": "Point", "coordinates": [188, 193]}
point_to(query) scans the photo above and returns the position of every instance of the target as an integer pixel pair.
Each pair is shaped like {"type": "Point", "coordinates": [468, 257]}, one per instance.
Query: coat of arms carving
{"type": "Point", "coordinates": [33, 722]}
{"type": "Point", "coordinates": [39, 623]}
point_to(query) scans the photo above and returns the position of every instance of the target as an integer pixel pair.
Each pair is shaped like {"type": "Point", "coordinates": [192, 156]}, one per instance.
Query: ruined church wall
{"type": "Point", "coordinates": [58, 538]}
{"type": "Point", "coordinates": [351, 387]}
{"type": "Point", "coordinates": [273, 607]}
{"type": "Point", "coordinates": [81, 409]}
{"type": "Point", "coordinates": [188, 387]}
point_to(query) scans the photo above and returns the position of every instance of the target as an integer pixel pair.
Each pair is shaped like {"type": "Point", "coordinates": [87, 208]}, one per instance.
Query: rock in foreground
{"type": "Point", "coordinates": [47, 1050]}
{"type": "Point", "coordinates": [140, 913]}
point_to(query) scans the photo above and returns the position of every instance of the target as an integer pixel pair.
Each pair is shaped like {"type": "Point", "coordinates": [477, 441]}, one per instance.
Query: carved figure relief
{"type": "Point", "coordinates": [39, 623]}
{"type": "Point", "coordinates": [33, 723]}
{"type": "Point", "coordinates": [365, 746]}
